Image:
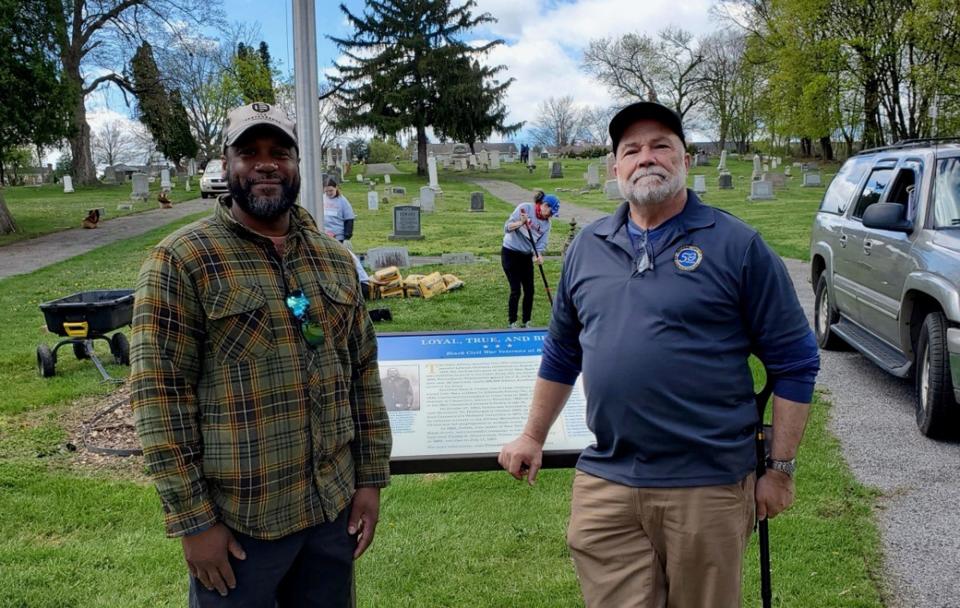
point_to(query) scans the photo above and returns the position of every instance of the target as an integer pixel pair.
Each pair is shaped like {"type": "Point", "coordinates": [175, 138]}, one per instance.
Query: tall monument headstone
{"type": "Point", "coordinates": [432, 173]}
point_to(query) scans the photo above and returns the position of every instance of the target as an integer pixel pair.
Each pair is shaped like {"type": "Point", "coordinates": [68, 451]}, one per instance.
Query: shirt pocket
{"type": "Point", "coordinates": [239, 327]}
{"type": "Point", "coordinates": [339, 308]}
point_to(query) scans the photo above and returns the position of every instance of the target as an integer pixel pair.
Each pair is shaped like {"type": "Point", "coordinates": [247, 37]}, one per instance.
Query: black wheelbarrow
{"type": "Point", "coordinates": [82, 318]}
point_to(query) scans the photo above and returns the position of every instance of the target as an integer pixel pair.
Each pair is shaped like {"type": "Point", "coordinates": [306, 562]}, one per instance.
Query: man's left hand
{"type": "Point", "coordinates": [774, 494]}
{"type": "Point", "coordinates": [364, 514]}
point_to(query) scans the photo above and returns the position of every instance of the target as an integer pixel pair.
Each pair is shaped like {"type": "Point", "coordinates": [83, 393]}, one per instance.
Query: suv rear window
{"type": "Point", "coordinates": [946, 207]}
{"type": "Point", "coordinates": [844, 185]}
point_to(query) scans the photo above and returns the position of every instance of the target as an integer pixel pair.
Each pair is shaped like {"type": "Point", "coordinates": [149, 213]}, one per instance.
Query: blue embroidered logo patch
{"type": "Point", "coordinates": [687, 258]}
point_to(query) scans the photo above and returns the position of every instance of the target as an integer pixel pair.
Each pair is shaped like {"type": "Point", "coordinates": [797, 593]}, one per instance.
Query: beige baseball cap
{"type": "Point", "coordinates": [258, 113]}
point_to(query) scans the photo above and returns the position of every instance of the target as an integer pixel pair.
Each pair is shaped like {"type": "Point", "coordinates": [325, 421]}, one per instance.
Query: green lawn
{"type": "Point", "coordinates": [784, 223]}
{"type": "Point", "coordinates": [73, 537]}
{"type": "Point", "coordinates": [40, 210]}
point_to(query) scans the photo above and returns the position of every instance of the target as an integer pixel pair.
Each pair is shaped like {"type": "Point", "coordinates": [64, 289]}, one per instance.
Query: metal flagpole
{"type": "Point", "coordinates": [307, 104]}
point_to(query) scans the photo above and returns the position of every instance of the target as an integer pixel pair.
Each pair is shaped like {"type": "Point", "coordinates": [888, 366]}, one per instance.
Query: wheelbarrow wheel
{"type": "Point", "coordinates": [46, 361]}
{"type": "Point", "coordinates": [120, 348]}
{"type": "Point", "coordinates": [80, 350]}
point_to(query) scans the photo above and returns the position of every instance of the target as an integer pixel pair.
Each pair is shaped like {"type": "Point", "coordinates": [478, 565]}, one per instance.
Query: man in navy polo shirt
{"type": "Point", "coordinates": [659, 306]}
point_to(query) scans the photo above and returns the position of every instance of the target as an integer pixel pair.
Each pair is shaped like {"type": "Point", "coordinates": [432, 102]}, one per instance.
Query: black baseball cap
{"type": "Point", "coordinates": [644, 110]}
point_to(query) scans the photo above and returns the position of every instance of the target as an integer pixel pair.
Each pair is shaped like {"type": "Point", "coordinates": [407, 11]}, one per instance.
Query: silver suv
{"type": "Point", "coordinates": [885, 267]}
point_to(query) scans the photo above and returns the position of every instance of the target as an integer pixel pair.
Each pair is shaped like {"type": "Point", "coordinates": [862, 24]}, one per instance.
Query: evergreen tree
{"type": "Point", "coordinates": [161, 111]}
{"type": "Point", "coordinates": [401, 55]}
{"type": "Point", "coordinates": [251, 76]}
{"type": "Point", "coordinates": [471, 108]}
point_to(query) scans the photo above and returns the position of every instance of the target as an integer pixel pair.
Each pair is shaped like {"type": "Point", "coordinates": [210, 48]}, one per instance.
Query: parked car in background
{"type": "Point", "coordinates": [214, 180]}
{"type": "Point", "coordinates": [885, 267]}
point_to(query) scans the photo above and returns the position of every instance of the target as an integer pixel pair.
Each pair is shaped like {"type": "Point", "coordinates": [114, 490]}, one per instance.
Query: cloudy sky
{"type": "Point", "coordinates": [542, 50]}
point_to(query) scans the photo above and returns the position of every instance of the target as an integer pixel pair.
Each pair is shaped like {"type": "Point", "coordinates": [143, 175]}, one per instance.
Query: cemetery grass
{"type": "Point", "coordinates": [40, 210]}
{"type": "Point", "coordinates": [784, 223]}
{"type": "Point", "coordinates": [72, 536]}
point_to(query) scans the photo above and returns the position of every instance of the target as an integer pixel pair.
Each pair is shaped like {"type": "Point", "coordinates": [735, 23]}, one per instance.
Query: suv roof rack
{"type": "Point", "coordinates": [912, 143]}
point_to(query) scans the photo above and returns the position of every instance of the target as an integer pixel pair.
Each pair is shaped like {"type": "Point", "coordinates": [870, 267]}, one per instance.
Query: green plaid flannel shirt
{"type": "Point", "coordinates": [241, 420]}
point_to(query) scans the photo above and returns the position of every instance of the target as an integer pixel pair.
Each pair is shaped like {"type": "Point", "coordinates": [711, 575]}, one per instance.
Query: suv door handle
{"type": "Point", "coordinates": [867, 246]}
{"type": "Point", "coordinates": [843, 240]}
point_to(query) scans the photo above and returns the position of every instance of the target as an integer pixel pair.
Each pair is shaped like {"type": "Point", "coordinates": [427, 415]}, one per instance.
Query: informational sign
{"type": "Point", "coordinates": [454, 399]}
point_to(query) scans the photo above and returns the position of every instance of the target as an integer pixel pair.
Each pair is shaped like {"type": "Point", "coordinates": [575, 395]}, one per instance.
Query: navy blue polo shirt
{"type": "Point", "coordinates": [664, 352]}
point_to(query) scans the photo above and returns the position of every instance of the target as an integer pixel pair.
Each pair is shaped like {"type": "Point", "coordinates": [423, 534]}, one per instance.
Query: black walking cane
{"type": "Point", "coordinates": [763, 431]}
{"type": "Point", "coordinates": [543, 275]}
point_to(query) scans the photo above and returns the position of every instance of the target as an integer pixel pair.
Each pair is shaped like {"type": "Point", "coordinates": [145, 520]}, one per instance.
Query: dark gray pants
{"type": "Point", "coordinates": [313, 567]}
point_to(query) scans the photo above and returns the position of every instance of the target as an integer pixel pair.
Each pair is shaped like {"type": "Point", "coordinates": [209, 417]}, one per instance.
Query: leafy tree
{"type": "Point", "coordinates": [161, 111]}
{"type": "Point", "coordinates": [471, 107]}
{"type": "Point", "coordinates": [33, 96]}
{"type": "Point", "coordinates": [98, 37]}
{"type": "Point", "coordinates": [398, 59]}
{"type": "Point", "coordinates": [384, 150]}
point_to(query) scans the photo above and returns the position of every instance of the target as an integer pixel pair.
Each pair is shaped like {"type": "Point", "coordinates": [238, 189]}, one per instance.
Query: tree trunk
{"type": "Point", "coordinates": [872, 133]}
{"type": "Point", "coordinates": [421, 150]}
{"type": "Point", "coordinates": [84, 172]}
{"type": "Point", "coordinates": [7, 224]}
{"type": "Point", "coordinates": [827, 147]}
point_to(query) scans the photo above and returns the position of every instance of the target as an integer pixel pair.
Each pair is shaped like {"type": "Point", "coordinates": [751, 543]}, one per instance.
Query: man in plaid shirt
{"type": "Point", "coordinates": [255, 387]}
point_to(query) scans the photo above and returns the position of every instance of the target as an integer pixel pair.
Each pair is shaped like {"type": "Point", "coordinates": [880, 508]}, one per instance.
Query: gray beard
{"type": "Point", "coordinates": [638, 193]}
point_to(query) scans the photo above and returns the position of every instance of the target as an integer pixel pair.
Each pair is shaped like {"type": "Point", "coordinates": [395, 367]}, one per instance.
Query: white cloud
{"type": "Point", "coordinates": [545, 42]}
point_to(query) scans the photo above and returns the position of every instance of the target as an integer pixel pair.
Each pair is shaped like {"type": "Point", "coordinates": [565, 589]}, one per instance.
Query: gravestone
{"type": "Point", "coordinates": [330, 162]}
{"type": "Point", "coordinates": [165, 180]}
{"type": "Point", "coordinates": [766, 168]}
{"type": "Point", "coordinates": [611, 188]}
{"type": "Point", "coordinates": [556, 170]}
{"type": "Point", "coordinates": [725, 181]}
{"type": "Point", "coordinates": [812, 180]}
{"type": "Point", "coordinates": [373, 200]}
{"type": "Point", "coordinates": [722, 166]}
{"type": "Point", "coordinates": [386, 179]}
{"type": "Point", "coordinates": [702, 159]}
{"type": "Point", "coordinates": [593, 176]}
{"type": "Point", "coordinates": [756, 167]}
{"type": "Point", "coordinates": [428, 199]}
{"type": "Point", "coordinates": [432, 174]}
{"type": "Point", "coordinates": [699, 184]}
{"type": "Point", "coordinates": [787, 171]}
{"type": "Point", "coordinates": [406, 223]}
{"type": "Point", "coordinates": [192, 167]}
{"type": "Point", "coordinates": [476, 201]}
{"type": "Point", "coordinates": [779, 180]}
{"type": "Point", "coordinates": [343, 158]}
{"type": "Point", "coordinates": [544, 154]}
{"type": "Point", "coordinates": [472, 160]}
{"type": "Point", "coordinates": [399, 190]}
{"type": "Point", "coordinates": [531, 162]}
{"type": "Point", "coordinates": [460, 164]}
{"type": "Point", "coordinates": [359, 178]}
{"type": "Point", "coordinates": [611, 162]}
{"type": "Point", "coordinates": [186, 184]}
{"type": "Point", "coordinates": [761, 191]}
{"type": "Point", "coordinates": [484, 159]}
{"type": "Point", "coordinates": [465, 257]}
{"type": "Point", "coordinates": [495, 160]}
{"type": "Point", "coordinates": [67, 184]}
{"type": "Point", "coordinates": [382, 257]}
{"type": "Point", "coordinates": [141, 186]}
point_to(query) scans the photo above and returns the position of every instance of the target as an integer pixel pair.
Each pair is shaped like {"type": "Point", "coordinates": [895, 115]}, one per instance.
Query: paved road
{"type": "Point", "coordinates": [32, 254]}
{"type": "Point", "coordinates": [920, 509]}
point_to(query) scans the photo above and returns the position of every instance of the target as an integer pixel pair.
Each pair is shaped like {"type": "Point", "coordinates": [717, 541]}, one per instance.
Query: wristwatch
{"type": "Point", "coordinates": [788, 467]}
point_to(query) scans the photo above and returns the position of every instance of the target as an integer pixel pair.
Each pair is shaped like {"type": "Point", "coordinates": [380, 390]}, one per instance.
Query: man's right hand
{"type": "Point", "coordinates": [522, 458]}
{"type": "Point", "coordinates": [207, 557]}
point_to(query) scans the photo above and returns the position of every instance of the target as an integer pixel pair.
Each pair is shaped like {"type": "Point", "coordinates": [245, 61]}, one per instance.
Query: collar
{"type": "Point", "coordinates": [300, 220]}
{"type": "Point", "coordinates": [694, 216]}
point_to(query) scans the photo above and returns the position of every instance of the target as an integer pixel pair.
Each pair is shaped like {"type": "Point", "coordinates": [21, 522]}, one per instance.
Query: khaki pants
{"type": "Point", "coordinates": [660, 547]}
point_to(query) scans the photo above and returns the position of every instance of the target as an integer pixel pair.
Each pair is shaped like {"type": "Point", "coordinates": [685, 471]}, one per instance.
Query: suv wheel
{"type": "Point", "coordinates": [824, 316]}
{"type": "Point", "coordinates": [936, 408]}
